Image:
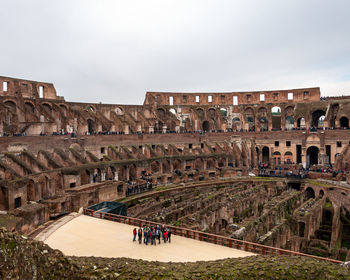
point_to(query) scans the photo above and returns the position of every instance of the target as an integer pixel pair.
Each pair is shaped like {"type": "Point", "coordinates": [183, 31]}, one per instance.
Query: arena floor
{"type": "Point", "coordinates": [87, 236]}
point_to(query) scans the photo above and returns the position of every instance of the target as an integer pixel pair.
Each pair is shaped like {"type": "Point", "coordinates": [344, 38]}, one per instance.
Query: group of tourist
{"type": "Point", "coordinates": [134, 188]}
{"type": "Point", "coordinates": [152, 234]}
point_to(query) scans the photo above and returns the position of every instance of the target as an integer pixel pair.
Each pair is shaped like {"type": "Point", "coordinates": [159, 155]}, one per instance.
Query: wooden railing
{"type": "Point", "coordinates": [207, 237]}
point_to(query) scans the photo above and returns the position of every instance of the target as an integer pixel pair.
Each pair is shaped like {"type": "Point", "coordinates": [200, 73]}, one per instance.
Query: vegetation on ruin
{"type": "Point", "coordinates": [23, 258]}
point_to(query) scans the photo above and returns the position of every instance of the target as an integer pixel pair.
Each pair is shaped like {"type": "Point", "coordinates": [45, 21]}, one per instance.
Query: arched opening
{"type": "Point", "coordinates": [224, 223]}
{"type": "Point", "coordinates": [91, 126]}
{"type": "Point", "coordinates": [223, 112]}
{"type": "Point", "coordinates": [289, 123]}
{"type": "Point", "coordinates": [155, 166]}
{"type": "Point", "coordinates": [119, 111]}
{"type": "Point", "coordinates": [321, 194]}
{"type": "Point", "coordinates": [301, 123]}
{"type": "Point", "coordinates": [166, 166]}
{"type": "Point", "coordinates": [91, 108]}
{"type": "Point", "coordinates": [236, 124]}
{"type": "Point", "coordinates": [211, 164]}
{"type": "Point", "coordinates": [176, 164]}
{"type": "Point", "coordinates": [263, 123]}
{"type": "Point", "coordinates": [11, 105]}
{"type": "Point", "coordinates": [31, 196]}
{"type": "Point", "coordinates": [301, 229]}
{"type": "Point", "coordinates": [200, 113]}
{"type": "Point", "coordinates": [276, 118]}
{"type": "Point", "coordinates": [288, 158]}
{"type": "Point", "coordinates": [277, 158]}
{"type": "Point", "coordinates": [206, 126]}
{"type": "Point", "coordinates": [29, 107]}
{"type": "Point", "coordinates": [212, 113]}
{"type": "Point", "coordinates": [221, 162]}
{"type": "Point", "coordinates": [198, 164]}
{"type": "Point", "coordinates": [44, 186]}
{"type": "Point", "coordinates": [318, 117]}
{"type": "Point", "coordinates": [123, 173]}
{"type": "Point", "coordinates": [161, 113]}
{"type": "Point", "coordinates": [85, 177]}
{"type": "Point", "coordinates": [309, 193]}
{"type": "Point", "coordinates": [132, 172]}
{"type": "Point", "coordinates": [265, 154]}
{"type": "Point", "coordinates": [249, 112]}
{"type": "Point", "coordinates": [173, 111]}
{"type": "Point", "coordinates": [64, 110]}
{"type": "Point", "coordinates": [344, 122]}
{"type": "Point", "coordinates": [47, 108]}
{"type": "Point", "coordinates": [312, 156]}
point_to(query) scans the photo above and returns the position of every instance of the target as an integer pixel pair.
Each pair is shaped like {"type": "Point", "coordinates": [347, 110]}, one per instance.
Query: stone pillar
{"type": "Point", "coordinates": [75, 126]}
{"type": "Point", "coordinates": [335, 226]}
{"type": "Point", "coordinates": [58, 123]}
{"type": "Point", "coordinates": [196, 125]}
{"type": "Point", "coordinates": [126, 129]}
{"type": "Point", "coordinates": [116, 178]}
{"type": "Point", "coordinates": [303, 156]}
{"type": "Point", "coordinates": [127, 175]}
{"type": "Point", "coordinates": [337, 123]}
{"type": "Point", "coordinates": [42, 121]}
{"type": "Point", "coordinates": [103, 176]}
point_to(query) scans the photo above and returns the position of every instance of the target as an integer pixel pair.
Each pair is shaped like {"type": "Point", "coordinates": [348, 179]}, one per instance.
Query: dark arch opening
{"type": "Point", "coordinates": [205, 126]}
{"type": "Point", "coordinates": [265, 155]}
{"type": "Point", "coordinates": [90, 126]}
{"type": "Point", "coordinates": [312, 156]}
{"type": "Point", "coordinates": [344, 122]}
{"type": "Point", "coordinates": [29, 106]}
{"type": "Point", "coordinates": [132, 172]}
{"type": "Point", "coordinates": [309, 193]}
{"type": "Point", "coordinates": [321, 194]}
{"type": "Point", "coordinates": [294, 186]}
{"type": "Point", "coordinates": [316, 115]}
{"type": "Point", "coordinates": [301, 123]}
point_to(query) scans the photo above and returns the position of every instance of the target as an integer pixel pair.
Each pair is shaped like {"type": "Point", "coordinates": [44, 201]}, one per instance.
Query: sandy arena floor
{"type": "Point", "coordinates": [87, 236]}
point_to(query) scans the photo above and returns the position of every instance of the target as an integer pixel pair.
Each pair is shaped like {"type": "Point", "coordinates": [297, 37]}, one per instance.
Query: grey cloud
{"type": "Point", "coordinates": [114, 51]}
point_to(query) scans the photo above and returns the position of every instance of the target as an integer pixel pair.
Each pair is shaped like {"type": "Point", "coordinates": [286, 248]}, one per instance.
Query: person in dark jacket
{"type": "Point", "coordinates": [139, 233]}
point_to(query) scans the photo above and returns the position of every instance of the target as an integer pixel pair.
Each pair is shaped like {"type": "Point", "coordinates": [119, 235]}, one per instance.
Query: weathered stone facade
{"type": "Point", "coordinates": [57, 156]}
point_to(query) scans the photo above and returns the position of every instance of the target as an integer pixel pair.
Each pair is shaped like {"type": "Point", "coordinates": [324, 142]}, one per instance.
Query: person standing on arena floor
{"type": "Point", "coordinates": [134, 233]}
{"type": "Point", "coordinates": [165, 235]}
{"type": "Point", "coordinates": [140, 235]}
{"type": "Point", "coordinates": [169, 234]}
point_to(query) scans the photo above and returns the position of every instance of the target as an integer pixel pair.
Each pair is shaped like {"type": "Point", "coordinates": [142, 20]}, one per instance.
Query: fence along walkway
{"type": "Point", "coordinates": [207, 237]}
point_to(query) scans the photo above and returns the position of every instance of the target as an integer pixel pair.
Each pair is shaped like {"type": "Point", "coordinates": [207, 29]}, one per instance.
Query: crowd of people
{"type": "Point", "coordinates": [297, 171]}
{"type": "Point", "coordinates": [134, 188]}
{"type": "Point", "coordinates": [150, 235]}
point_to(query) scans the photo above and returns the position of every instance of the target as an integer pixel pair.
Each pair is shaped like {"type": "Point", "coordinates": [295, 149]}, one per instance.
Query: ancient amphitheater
{"type": "Point", "coordinates": [263, 172]}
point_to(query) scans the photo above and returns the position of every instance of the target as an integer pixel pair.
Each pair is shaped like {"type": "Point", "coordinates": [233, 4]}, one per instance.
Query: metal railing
{"type": "Point", "coordinates": [207, 237]}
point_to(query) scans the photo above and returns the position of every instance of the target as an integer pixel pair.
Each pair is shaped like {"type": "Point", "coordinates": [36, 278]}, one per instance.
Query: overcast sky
{"type": "Point", "coordinates": [114, 51]}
